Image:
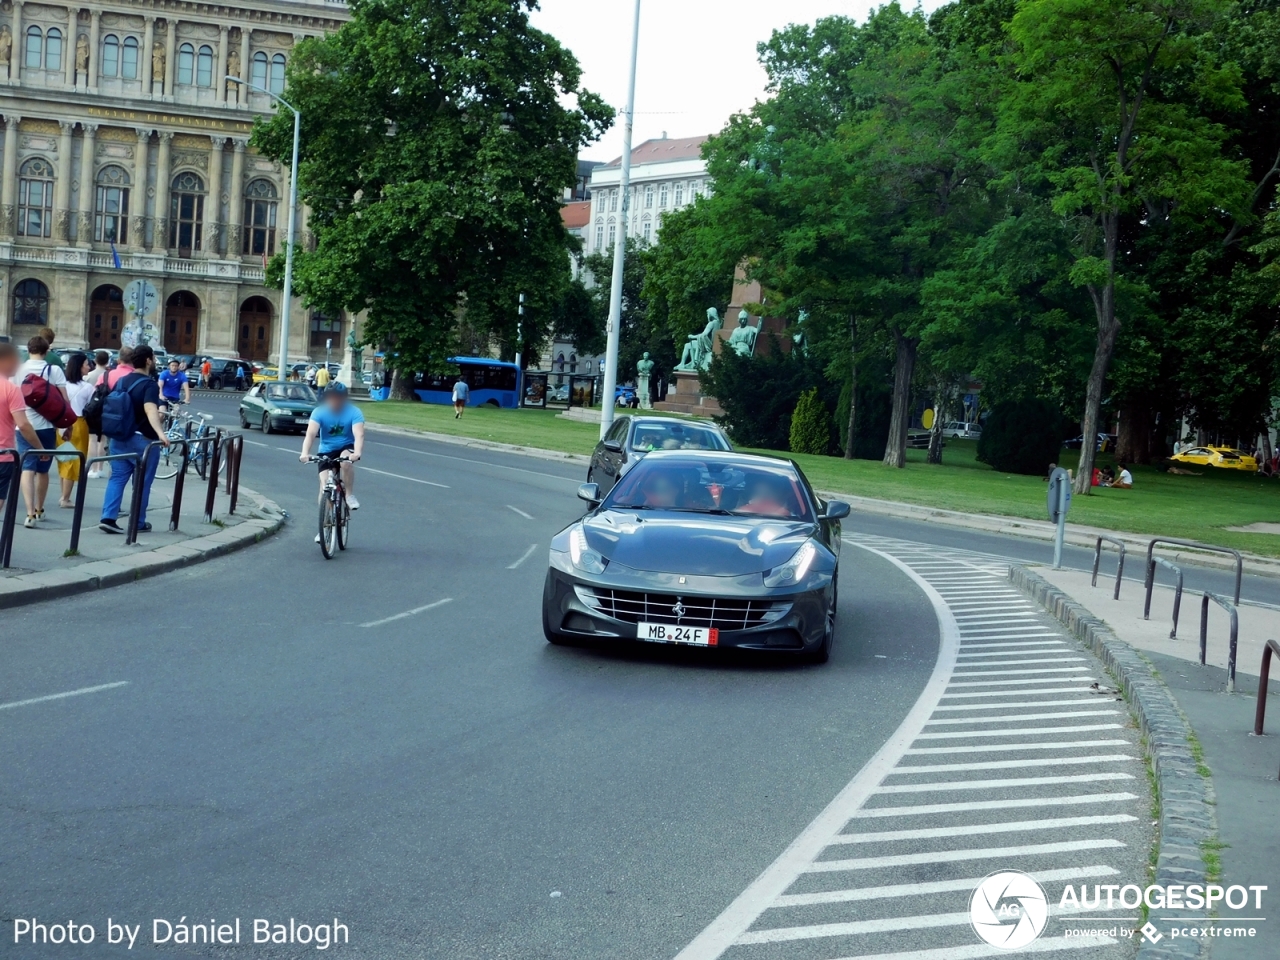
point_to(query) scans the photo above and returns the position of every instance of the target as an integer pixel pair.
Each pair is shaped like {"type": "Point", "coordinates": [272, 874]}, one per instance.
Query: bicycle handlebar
{"type": "Point", "coordinates": [325, 458]}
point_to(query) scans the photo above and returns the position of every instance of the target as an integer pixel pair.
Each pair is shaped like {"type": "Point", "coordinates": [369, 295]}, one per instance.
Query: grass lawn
{"type": "Point", "coordinates": [1195, 508]}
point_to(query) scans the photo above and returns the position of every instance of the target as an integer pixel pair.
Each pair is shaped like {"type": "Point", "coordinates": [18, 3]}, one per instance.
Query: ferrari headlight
{"type": "Point", "coordinates": [584, 558]}
{"type": "Point", "coordinates": [795, 569]}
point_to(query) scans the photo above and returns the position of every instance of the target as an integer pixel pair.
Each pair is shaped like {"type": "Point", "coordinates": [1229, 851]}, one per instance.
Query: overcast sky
{"type": "Point", "coordinates": [697, 57]}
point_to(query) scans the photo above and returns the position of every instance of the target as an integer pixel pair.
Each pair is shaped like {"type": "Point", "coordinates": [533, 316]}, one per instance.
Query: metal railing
{"type": "Point", "coordinates": [1097, 558]}
{"type": "Point", "coordinates": [1261, 713]}
{"type": "Point", "coordinates": [234, 443]}
{"type": "Point", "coordinates": [1202, 546]}
{"type": "Point", "coordinates": [1177, 593]}
{"type": "Point", "coordinates": [10, 505]}
{"type": "Point", "coordinates": [1235, 633]}
{"type": "Point", "coordinates": [135, 497]}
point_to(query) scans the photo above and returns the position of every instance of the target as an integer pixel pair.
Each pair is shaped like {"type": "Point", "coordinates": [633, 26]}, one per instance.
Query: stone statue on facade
{"type": "Point", "coordinates": [233, 63]}
{"type": "Point", "coordinates": [697, 352]}
{"type": "Point", "coordinates": [743, 339]}
{"type": "Point", "coordinates": [82, 57]}
{"type": "Point", "coordinates": [157, 61]}
{"type": "Point", "coordinates": [644, 369]}
{"type": "Point", "coordinates": [6, 45]}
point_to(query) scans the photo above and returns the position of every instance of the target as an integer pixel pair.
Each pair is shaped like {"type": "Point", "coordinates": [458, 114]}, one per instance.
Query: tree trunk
{"type": "Point", "coordinates": [851, 426]}
{"type": "Point", "coordinates": [895, 451]}
{"type": "Point", "coordinates": [1105, 307]}
{"type": "Point", "coordinates": [940, 411]}
{"type": "Point", "coordinates": [401, 386]}
{"type": "Point", "coordinates": [1133, 441]}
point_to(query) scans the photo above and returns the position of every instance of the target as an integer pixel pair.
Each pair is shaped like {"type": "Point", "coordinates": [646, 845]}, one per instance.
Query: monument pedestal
{"type": "Point", "coordinates": [685, 396]}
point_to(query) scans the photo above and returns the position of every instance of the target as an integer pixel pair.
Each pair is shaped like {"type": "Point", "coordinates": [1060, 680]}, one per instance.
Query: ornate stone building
{"type": "Point", "coordinates": [126, 157]}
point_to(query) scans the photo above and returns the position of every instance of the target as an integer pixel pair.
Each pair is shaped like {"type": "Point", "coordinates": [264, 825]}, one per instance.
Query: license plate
{"type": "Point", "coordinates": [302, 421]}
{"type": "Point", "coordinates": [673, 633]}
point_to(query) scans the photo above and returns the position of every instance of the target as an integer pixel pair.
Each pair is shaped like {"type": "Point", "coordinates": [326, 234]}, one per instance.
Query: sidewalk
{"type": "Point", "coordinates": [41, 570]}
{"type": "Point", "coordinates": [1241, 768]}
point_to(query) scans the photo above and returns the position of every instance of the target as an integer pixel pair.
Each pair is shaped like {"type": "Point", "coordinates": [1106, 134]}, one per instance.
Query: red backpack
{"type": "Point", "coordinates": [47, 400]}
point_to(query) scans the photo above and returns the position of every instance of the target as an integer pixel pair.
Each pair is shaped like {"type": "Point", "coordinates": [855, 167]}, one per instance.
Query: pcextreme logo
{"type": "Point", "coordinates": [1009, 910]}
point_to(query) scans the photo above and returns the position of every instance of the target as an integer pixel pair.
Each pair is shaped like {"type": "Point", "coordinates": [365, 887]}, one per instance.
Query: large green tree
{"type": "Point", "coordinates": [438, 137]}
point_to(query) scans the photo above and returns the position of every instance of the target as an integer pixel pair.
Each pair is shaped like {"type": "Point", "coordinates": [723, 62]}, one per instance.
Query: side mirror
{"type": "Point", "coordinates": [836, 510]}
{"type": "Point", "coordinates": [590, 492]}
{"type": "Point", "coordinates": [614, 445]}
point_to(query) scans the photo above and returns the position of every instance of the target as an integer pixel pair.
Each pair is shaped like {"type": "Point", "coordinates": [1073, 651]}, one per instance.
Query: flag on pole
{"type": "Point", "coordinates": [115, 257]}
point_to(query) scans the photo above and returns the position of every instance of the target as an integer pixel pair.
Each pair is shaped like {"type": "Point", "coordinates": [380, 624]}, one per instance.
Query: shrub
{"type": "Point", "coordinates": [810, 425]}
{"type": "Point", "coordinates": [759, 393]}
{"type": "Point", "coordinates": [1022, 436]}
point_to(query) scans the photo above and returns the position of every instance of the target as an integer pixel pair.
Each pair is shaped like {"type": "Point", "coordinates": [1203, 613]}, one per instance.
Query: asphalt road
{"type": "Point", "coordinates": [445, 783]}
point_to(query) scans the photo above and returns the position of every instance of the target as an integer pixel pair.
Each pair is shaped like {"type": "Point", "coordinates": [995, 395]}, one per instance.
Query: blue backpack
{"type": "Point", "coordinates": [118, 419]}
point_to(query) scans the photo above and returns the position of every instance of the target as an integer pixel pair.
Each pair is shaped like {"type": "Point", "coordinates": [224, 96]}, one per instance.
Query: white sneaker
{"type": "Point", "coordinates": [317, 538]}
{"type": "Point", "coordinates": [95, 474]}
{"type": "Point", "coordinates": [353, 503]}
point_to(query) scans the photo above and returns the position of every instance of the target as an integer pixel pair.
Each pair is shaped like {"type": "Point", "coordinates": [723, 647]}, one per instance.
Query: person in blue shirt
{"type": "Point", "coordinates": [339, 426]}
{"type": "Point", "coordinates": [174, 385]}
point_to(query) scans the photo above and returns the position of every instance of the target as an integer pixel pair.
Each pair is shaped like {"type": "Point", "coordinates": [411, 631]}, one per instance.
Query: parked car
{"type": "Point", "coordinates": [1105, 442]}
{"type": "Point", "coordinates": [278, 406]}
{"type": "Point", "coordinates": [917, 439]}
{"type": "Point", "coordinates": [227, 373]}
{"type": "Point", "coordinates": [959, 430]}
{"type": "Point", "coordinates": [631, 438]}
{"type": "Point", "coordinates": [1224, 458]}
{"type": "Point", "coordinates": [702, 548]}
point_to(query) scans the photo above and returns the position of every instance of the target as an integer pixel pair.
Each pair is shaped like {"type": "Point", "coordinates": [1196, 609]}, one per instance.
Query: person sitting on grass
{"type": "Point", "coordinates": [1125, 480]}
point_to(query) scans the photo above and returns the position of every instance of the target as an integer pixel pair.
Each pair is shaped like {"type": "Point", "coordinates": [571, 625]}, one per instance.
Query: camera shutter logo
{"type": "Point", "coordinates": [1009, 910]}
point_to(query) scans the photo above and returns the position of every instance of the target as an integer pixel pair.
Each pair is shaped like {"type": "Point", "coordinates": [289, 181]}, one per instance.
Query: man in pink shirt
{"type": "Point", "coordinates": [13, 416]}
{"type": "Point", "coordinates": [124, 367]}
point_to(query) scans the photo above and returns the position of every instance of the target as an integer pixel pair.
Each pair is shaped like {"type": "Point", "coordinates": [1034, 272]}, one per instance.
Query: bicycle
{"type": "Point", "coordinates": [185, 426]}
{"type": "Point", "coordinates": [335, 514]}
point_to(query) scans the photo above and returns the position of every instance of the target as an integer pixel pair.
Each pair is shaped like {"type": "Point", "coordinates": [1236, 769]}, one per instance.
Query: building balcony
{"type": "Point", "coordinates": [149, 264]}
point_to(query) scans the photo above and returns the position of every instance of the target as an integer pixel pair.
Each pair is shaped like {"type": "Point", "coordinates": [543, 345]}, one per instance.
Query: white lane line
{"type": "Point", "coordinates": [959, 856]}
{"type": "Point", "coordinates": [483, 463]}
{"type": "Point", "coordinates": [1018, 733]}
{"type": "Point", "coordinates": [930, 809]}
{"type": "Point", "coordinates": [1003, 747]}
{"type": "Point", "coordinates": [1005, 673]}
{"type": "Point", "coordinates": [62, 696]}
{"type": "Point", "coordinates": [935, 886]}
{"type": "Point", "coordinates": [408, 613]}
{"type": "Point", "coordinates": [527, 516]}
{"type": "Point", "coordinates": [1017, 651]}
{"type": "Point", "coordinates": [1015, 693]}
{"type": "Point", "coordinates": [1013, 683]}
{"type": "Point", "coordinates": [982, 829]}
{"type": "Point", "coordinates": [1017, 631]}
{"type": "Point", "coordinates": [1002, 784]}
{"type": "Point", "coordinates": [1088, 698]}
{"type": "Point", "coordinates": [523, 557]}
{"type": "Point", "coordinates": [986, 634]}
{"type": "Point", "coordinates": [255, 443]}
{"type": "Point", "coordinates": [852, 927]}
{"type": "Point", "coordinates": [738, 917]}
{"type": "Point", "coordinates": [1019, 717]}
{"type": "Point", "coordinates": [975, 951]}
{"type": "Point", "coordinates": [1012, 643]}
{"type": "Point", "coordinates": [968, 623]}
{"type": "Point", "coordinates": [1018, 764]}
{"type": "Point", "coordinates": [1007, 663]}
{"type": "Point", "coordinates": [400, 476]}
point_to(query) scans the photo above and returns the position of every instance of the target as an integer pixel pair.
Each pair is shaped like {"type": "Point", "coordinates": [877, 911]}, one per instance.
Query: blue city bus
{"type": "Point", "coordinates": [491, 381]}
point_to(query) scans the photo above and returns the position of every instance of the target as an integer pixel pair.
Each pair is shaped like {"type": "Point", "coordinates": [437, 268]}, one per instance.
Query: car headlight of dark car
{"type": "Point", "coordinates": [583, 557]}
{"type": "Point", "coordinates": [795, 569]}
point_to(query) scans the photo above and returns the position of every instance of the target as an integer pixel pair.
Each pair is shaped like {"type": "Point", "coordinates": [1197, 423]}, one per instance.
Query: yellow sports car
{"type": "Point", "coordinates": [1226, 458]}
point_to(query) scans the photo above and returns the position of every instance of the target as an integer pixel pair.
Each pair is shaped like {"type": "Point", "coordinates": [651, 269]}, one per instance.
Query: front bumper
{"type": "Point", "coordinates": [289, 421]}
{"type": "Point", "coordinates": [801, 629]}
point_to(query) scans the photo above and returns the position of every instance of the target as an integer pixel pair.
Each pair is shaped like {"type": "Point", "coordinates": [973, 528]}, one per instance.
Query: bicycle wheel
{"type": "Point", "coordinates": [170, 462]}
{"type": "Point", "coordinates": [328, 528]}
{"type": "Point", "coordinates": [344, 523]}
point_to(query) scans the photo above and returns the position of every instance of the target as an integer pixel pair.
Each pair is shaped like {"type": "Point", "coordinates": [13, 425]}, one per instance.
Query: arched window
{"type": "Point", "coordinates": [260, 218]}
{"type": "Point", "coordinates": [186, 213]}
{"type": "Point", "coordinates": [35, 198]}
{"type": "Point", "coordinates": [31, 303]}
{"type": "Point", "coordinates": [53, 49]}
{"type": "Point", "coordinates": [204, 67]}
{"type": "Point", "coordinates": [129, 59]}
{"type": "Point", "coordinates": [35, 44]}
{"type": "Point", "coordinates": [599, 236]}
{"type": "Point", "coordinates": [186, 64]}
{"type": "Point", "coordinates": [259, 72]}
{"type": "Point", "coordinates": [111, 211]}
{"type": "Point", "coordinates": [560, 361]}
{"type": "Point", "coordinates": [277, 74]}
{"type": "Point", "coordinates": [110, 55]}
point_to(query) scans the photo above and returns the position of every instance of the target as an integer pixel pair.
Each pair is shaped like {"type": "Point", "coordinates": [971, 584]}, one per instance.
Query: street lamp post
{"type": "Point", "coordinates": [620, 244]}
{"type": "Point", "coordinates": [283, 366]}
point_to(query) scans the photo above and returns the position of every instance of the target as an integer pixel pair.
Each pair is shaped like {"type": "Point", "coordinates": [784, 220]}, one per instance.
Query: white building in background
{"type": "Point", "coordinates": [665, 175]}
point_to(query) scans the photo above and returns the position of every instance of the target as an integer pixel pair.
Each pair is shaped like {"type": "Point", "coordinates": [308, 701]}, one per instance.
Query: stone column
{"type": "Point", "coordinates": [170, 48]}
{"type": "Point", "coordinates": [69, 48]}
{"type": "Point", "coordinates": [242, 93]}
{"type": "Point", "coordinates": [62, 186]}
{"type": "Point", "coordinates": [213, 202]}
{"type": "Point", "coordinates": [138, 192]}
{"type": "Point", "coordinates": [19, 53]}
{"type": "Point", "coordinates": [148, 41]}
{"type": "Point", "coordinates": [219, 84]}
{"type": "Point", "coordinates": [84, 216]}
{"type": "Point", "coordinates": [95, 24]}
{"type": "Point", "coordinates": [9, 177]}
{"type": "Point", "coordinates": [235, 215]}
{"type": "Point", "coordinates": [162, 190]}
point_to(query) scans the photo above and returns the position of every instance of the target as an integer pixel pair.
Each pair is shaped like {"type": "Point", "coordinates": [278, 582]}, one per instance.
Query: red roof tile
{"type": "Point", "coordinates": [576, 214]}
{"type": "Point", "coordinates": [661, 151]}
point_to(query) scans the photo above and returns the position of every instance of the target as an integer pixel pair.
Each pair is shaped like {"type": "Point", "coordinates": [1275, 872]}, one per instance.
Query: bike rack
{"type": "Point", "coordinates": [10, 506]}
{"type": "Point", "coordinates": [211, 465]}
{"type": "Point", "coordinates": [1097, 557]}
{"type": "Point", "coordinates": [179, 483]}
{"type": "Point", "coordinates": [1261, 714]}
{"type": "Point", "coordinates": [1235, 632]}
{"type": "Point", "coordinates": [1177, 593]}
{"type": "Point", "coordinates": [135, 497]}
{"type": "Point", "coordinates": [1201, 546]}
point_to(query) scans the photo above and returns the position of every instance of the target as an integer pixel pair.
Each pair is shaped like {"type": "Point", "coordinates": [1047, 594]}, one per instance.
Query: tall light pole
{"type": "Point", "coordinates": [283, 365]}
{"type": "Point", "coordinates": [614, 328]}
{"type": "Point", "coordinates": [519, 344]}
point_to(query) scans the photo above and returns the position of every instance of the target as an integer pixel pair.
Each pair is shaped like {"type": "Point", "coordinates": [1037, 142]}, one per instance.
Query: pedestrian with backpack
{"type": "Point", "coordinates": [13, 417]}
{"type": "Point", "coordinates": [131, 421]}
{"type": "Point", "coordinates": [44, 387]}
{"type": "Point", "coordinates": [98, 375]}
{"type": "Point", "coordinates": [79, 392]}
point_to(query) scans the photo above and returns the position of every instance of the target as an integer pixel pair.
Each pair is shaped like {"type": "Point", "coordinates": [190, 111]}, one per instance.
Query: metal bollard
{"type": "Point", "coordinates": [1177, 594]}
{"type": "Point", "coordinates": [1204, 546]}
{"type": "Point", "coordinates": [1097, 557]}
{"type": "Point", "coordinates": [1235, 632]}
{"type": "Point", "coordinates": [10, 507]}
{"type": "Point", "coordinates": [211, 492]}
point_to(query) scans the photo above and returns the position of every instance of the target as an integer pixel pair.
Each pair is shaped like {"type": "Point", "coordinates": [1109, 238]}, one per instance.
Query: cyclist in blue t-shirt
{"type": "Point", "coordinates": [174, 385]}
{"type": "Point", "coordinates": [339, 426]}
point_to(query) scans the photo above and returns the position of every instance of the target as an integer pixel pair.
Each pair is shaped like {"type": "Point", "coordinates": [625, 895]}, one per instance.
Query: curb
{"type": "Point", "coordinates": [263, 518]}
{"type": "Point", "coordinates": [1186, 798]}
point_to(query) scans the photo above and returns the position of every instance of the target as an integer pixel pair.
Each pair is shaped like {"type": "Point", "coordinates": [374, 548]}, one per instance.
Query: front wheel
{"type": "Point", "coordinates": [244, 421]}
{"type": "Point", "coordinates": [266, 423]}
{"type": "Point", "coordinates": [344, 523]}
{"type": "Point", "coordinates": [170, 462]}
{"type": "Point", "coordinates": [328, 527]}
{"type": "Point", "coordinates": [553, 637]}
{"type": "Point", "coordinates": [823, 653]}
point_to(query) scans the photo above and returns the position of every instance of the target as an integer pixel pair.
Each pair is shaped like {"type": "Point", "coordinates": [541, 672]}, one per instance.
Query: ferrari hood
{"type": "Point", "coordinates": [693, 543]}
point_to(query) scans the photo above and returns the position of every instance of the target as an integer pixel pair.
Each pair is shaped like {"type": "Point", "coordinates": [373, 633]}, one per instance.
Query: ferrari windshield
{"type": "Point", "coordinates": [692, 484]}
